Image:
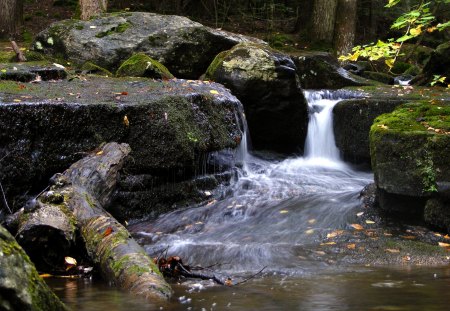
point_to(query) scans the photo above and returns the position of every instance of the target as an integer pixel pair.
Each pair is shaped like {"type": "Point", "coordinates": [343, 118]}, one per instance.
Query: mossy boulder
{"type": "Point", "coordinates": [320, 70]}
{"type": "Point", "coordinates": [91, 68]}
{"type": "Point", "coordinates": [409, 150]}
{"type": "Point", "coordinates": [266, 83]}
{"type": "Point", "coordinates": [21, 287]}
{"type": "Point", "coordinates": [171, 126]}
{"type": "Point", "coordinates": [185, 47]}
{"type": "Point", "coordinates": [141, 65]}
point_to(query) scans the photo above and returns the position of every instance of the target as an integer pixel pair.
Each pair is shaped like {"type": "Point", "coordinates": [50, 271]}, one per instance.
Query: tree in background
{"type": "Point", "coordinates": [345, 26]}
{"type": "Point", "coordinates": [11, 17]}
{"type": "Point", "coordinates": [323, 20]}
{"type": "Point", "coordinates": [90, 8]}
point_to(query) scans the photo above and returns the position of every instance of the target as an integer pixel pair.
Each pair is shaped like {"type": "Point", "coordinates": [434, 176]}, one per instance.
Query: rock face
{"type": "Point", "coordinates": [438, 64]}
{"type": "Point", "coordinates": [266, 83]}
{"type": "Point", "coordinates": [185, 47]}
{"type": "Point", "coordinates": [171, 126]}
{"type": "Point", "coordinates": [21, 288]}
{"type": "Point", "coordinates": [24, 72]}
{"type": "Point", "coordinates": [319, 70]}
{"type": "Point", "coordinates": [409, 149]}
{"type": "Point", "coordinates": [352, 121]}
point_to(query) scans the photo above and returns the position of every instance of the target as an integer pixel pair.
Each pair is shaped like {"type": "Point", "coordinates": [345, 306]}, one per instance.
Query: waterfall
{"type": "Point", "coordinates": [320, 138]}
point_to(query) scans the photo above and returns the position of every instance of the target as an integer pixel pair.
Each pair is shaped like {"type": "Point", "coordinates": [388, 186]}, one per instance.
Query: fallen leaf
{"type": "Point", "coordinates": [107, 232]}
{"type": "Point", "coordinates": [321, 253]}
{"type": "Point", "coordinates": [70, 261]}
{"type": "Point", "coordinates": [312, 221]}
{"type": "Point", "coordinates": [125, 121]}
{"type": "Point", "coordinates": [370, 222]}
{"type": "Point", "coordinates": [408, 237]}
{"type": "Point", "coordinates": [124, 93]}
{"type": "Point", "coordinates": [351, 246]}
{"type": "Point", "coordinates": [360, 214]}
{"type": "Point", "coordinates": [357, 226]}
{"type": "Point", "coordinates": [214, 92]}
{"type": "Point", "coordinates": [442, 244]}
{"type": "Point", "coordinates": [310, 231]}
{"type": "Point", "coordinates": [334, 234]}
{"type": "Point", "coordinates": [284, 211]}
{"type": "Point", "coordinates": [17, 100]}
{"type": "Point", "coordinates": [59, 66]}
{"type": "Point", "coordinates": [391, 250]}
{"type": "Point", "coordinates": [328, 243]}
{"type": "Point", "coordinates": [100, 152]}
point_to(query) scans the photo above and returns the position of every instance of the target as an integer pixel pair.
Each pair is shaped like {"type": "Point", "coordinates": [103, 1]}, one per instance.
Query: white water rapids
{"type": "Point", "coordinates": [273, 212]}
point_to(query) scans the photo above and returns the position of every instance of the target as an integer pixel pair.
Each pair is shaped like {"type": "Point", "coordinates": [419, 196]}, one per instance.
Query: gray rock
{"type": "Point", "coordinates": [23, 72]}
{"type": "Point", "coordinates": [185, 47]}
{"type": "Point", "coordinates": [266, 83]}
{"type": "Point", "coordinates": [21, 288]}
{"type": "Point", "coordinates": [320, 70]}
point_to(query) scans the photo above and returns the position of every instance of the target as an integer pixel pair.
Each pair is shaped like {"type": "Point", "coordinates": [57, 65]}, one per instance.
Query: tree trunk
{"type": "Point", "coordinates": [90, 8]}
{"type": "Point", "coordinates": [344, 32]}
{"type": "Point", "coordinates": [323, 19]}
{"type": "Point", "coordinates": [11, 16]}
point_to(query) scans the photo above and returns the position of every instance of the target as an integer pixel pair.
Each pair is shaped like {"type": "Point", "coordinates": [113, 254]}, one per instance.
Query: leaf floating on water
{"type": "Point", "coordinates": [328, 243]}
{"type": "Point", "coordinates": [284, 211]}
{"type": "Point", "coordinates": [310, 231]}
{"type": "Point", "coordinates": [357, 227]}
{"type": "Point", "coordinates": [126, 121]}
{"type": "Point", "coordinates": [312, 221]}
{"type": "Point", "coordinates": [320, 253]}
{"type": "Point", "coordinates": [391, 250]}
{"type": "Point", "coordinates": [370, 222]}
{"type": "Point", "coordinates": [360, 214]}
{"type": "Point", "coordinates": [334, 234]}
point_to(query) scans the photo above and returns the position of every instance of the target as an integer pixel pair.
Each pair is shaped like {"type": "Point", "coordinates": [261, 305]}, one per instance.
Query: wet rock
{"type": "Point", "coordinates": [437, 214]}
{"type": "Point", "coordinates": [437, 64]}
{"type": "Point", "coordinates": [320, 70]}
{"type": "Point", "coordinates": [170, 125]}
{"type": "Point", "coordinates": [410, 157]}
{"type": "Point", "coordinates": [185, 47]}
{"type": "Point", "coordinates": [23, 72]}
{"type": "Point", "coordinates": [21, 288]}
{"type": "Point", "coordinates": [379, 76]}
{"type": "Point", "coordinates": [352, 120]}
{"type": "Point", "coordinates": [265, 81]}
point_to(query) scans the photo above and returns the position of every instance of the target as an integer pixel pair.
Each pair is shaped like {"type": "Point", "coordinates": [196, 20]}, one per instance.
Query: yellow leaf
{"type": "Point", "coordinates": [391, 250]}
{"type": "Point", "coordinates": [3, 70]}
{"type": "Point", "coordinates": [328, 243]}
{"type": "Point", "coordinates": [125, 121]}
{"type": "Point", "coordinates": [310, 231]}
{"type": "Point", "coordinates": [431, 29]}
{"type": "Point", "coordinates": [354, 57]}
{"type": "Point", "coordinates": [70, 261]}
{"type": "Point", "coordinates": [389, 62]}
{"type": "Point", "coordinates": [416, 31]}
{"type": "Point", "coordinates": [284, 211]}
{"type": "Point", "coordinates": [17, 100]}
{"type": "Point", "coordinates": [442, 244]}
{"type": "Point", "coordinates": [45, 275]}
{"type": "Point", "coordinates": [357, 226]}
{"type": "Point", "coordinates": [370, 222]}
{"type": "Point", "coordinates": [100, 152]}
{"type": "Point", "coordinates": [334, 234]}
{"type": "Point", "coordinates": [214, 92]}
{"type": "Point", "coordinates": [351, 246]}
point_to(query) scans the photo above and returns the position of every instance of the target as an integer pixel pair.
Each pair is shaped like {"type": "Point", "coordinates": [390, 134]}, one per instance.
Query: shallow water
{"type": "Point", "coordinates": [275, 216]}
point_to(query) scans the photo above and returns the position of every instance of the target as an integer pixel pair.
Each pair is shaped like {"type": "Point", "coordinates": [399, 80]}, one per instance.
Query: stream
{"type": "Point", "coordinates": [279, 217]}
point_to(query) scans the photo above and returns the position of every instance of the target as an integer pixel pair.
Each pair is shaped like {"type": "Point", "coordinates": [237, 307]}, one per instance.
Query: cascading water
{"type": "Point", "coordinates": [273, 213]}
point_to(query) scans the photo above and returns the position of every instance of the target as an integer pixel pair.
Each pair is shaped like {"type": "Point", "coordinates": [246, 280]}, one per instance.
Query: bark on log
{"type": "Point", "coordinates": [19, 55]}
{"type": "Point", "coordinates": [88, 185]}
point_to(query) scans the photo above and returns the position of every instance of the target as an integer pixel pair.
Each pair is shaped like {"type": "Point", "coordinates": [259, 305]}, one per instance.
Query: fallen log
{"type": "Point", "coordinates": [87, 186]}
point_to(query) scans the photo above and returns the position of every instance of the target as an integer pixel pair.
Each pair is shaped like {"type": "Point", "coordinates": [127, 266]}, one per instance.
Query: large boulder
{"type": "Point", "coordinates": [437, 64]}
{"type": "Point", "coordinates": [409, 149]}
{"type": "Point", "coordinates": [185, 47]}
{"type": "Point", "coordinates": [172, 126]}
{"type": "Point", "coordinates": [320, 70]}
{"type": "Point", "coordinates": [21, 287]}
{"type": "Point", "coordinates": [266, 83]}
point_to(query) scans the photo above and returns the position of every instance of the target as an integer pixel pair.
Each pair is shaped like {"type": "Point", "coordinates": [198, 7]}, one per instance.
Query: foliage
{"type": "Point", "coordinates": [413, 23]}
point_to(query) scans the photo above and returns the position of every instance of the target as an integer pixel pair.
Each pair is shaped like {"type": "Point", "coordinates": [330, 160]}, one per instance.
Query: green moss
{"type": "Point", "coordinates": [141, 65]}
{"type": "Point", "coordinates": [7, 56]}
{"type": "Point", "coordinates": [34, 56]}
{"type": "Point", "coordinates": [90, 67]}
{"type": "Point", "coordinates": [118, 29]}
{"type": "Point", "coordinates": [218, 60]}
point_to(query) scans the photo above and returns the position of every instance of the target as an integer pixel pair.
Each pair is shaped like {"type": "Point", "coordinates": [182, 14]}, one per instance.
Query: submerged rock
{"type": "Point", "coordinates": [170, 125]}
{"type": "Point", "coordinates": [185, 47]}
{"type": "Point", "coordinates": [266, 83]}
{"type": "Point", "coordinates": [21, 288]}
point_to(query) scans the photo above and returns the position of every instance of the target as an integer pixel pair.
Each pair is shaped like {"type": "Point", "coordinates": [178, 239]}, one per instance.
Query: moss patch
{"type": "Point", "coordinates": [141, 65]}
{"type": "Point", "coordinates": [118, 29]}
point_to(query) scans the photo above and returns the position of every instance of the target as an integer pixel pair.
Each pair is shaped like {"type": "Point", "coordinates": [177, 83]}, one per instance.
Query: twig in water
{"type": "Point", "coordinates": [4, 198]}
{"type": "Point", "coordinates": [250, 277]}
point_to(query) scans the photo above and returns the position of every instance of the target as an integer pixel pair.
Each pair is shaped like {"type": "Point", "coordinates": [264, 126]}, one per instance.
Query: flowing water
{"type": "Point", "coordinates": [273, 216]}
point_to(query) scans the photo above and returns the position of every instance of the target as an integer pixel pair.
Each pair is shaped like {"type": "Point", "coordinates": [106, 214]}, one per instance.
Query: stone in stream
{"type": "Point", "coordinates": [266, 82]}
{"type": "Point", "coordinates": [21, 287]}
{"type": "Point", "coordinates": [185, 47]}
